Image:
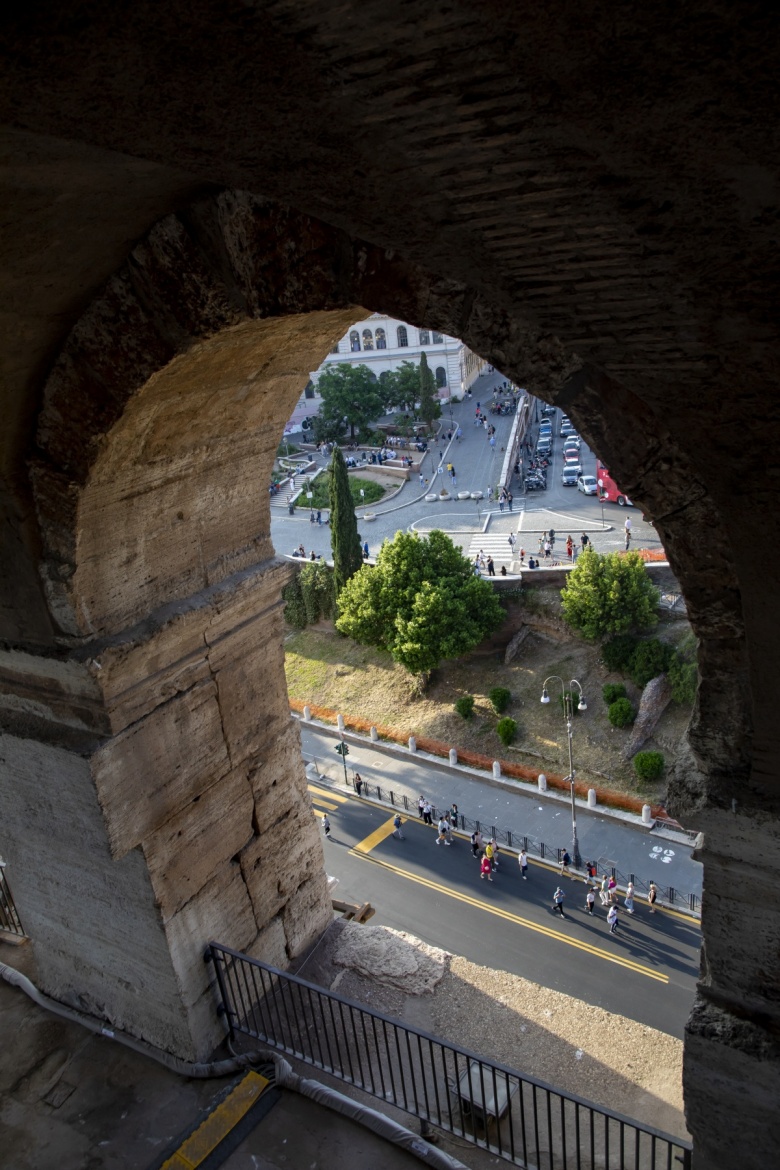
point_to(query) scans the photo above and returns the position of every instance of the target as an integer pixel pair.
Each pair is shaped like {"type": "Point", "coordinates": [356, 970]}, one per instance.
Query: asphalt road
{"type": "Point", "coordinates": [647, 972]}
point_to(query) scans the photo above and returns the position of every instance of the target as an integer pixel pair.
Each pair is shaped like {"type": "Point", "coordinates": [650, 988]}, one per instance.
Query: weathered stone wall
{"type": "Point", "coordinates": [589, 201]}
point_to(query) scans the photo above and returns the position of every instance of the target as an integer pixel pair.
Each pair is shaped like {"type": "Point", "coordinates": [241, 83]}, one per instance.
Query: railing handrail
{"type": "Point", "coordinates": [216, 952]}
{"type": "Point", "coordinates": [509, 836]}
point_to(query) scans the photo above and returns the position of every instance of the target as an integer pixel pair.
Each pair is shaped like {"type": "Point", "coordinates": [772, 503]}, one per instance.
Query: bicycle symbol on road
{"type": "Point", "coordinates": [661, 854]}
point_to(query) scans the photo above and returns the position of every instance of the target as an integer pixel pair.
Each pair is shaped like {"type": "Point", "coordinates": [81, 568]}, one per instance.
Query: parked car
{"type": "Point", "coordinates": [571, 457]}
{"type": "Point", "coordinates": [569, 446]}
{"type": "Point", "coordinates": [567, 427]}
{"type": "Point", "coordinates": [569, 476]}
{"type": "Point", "coordinates": [588, 485]}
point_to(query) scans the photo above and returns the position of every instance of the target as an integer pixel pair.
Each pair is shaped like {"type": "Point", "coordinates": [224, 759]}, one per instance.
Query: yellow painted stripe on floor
{"type": "Point", "coordinates": [609, 956]}
{"type": "Point", "coordinates": [329, 794]}
{"type": "Point", "coordinates": [320, 802]}
{"type": "Point", "coordinates": [225, 1117]}
{"type": "Point", "coordinates": [376, 838]}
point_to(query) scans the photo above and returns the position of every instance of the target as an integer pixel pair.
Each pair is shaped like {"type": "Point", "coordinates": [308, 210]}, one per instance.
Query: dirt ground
{"type": "Point", "coordinates": [329, 670]}
{"type": "Point", "coordinates": [580, 1048]}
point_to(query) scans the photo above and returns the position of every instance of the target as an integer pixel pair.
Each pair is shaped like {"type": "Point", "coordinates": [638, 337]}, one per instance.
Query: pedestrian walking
{"type": "Point", "coordinates": [628, 538]}
{"type": "Point", "coordinates": [547, 550]}
{"type": "Point", "coordinates": [490, 853]}
{"type": "Point", "coordinates": [442, 837]}
{"type": "Point", "coordinates": [551, 538]}
{"type": "Point", "coordinates": [489, 494]}
{"type": "Point", "coordinates": [522, 555]}
{"type": "Point", "coordinates": [365, 550]}
{"type": "Point", "coordinates": [652, 897]}
{"type": "Point", "coordinates": [590, 899]}
{"type": "Point", "coordinates": [629, 899]}
{"type": "Point", "coordinates": [512, 539]}
{"type": "Point", "coordinates": [509, 497]}
{"type": "Point", "coordinates": [448, 828]}
{"type": "Point", "coordinates": [421, 805]}
{"type": "Point", "coordinates": [494, 846]}
{"type": "Point", "coordinates": [422, 480]}
{"type": "Point", "coordinates": [397, 827]}
{"type": "Point", "coordinates": [326, 825]}
{"type": "Point", "coordinates": [569, 547]}
{"type": "Point", "coordinates": [358, 783]}
{"type": "Point", "coordinates": [428, 813]}
{"type": "Point", "coordinates": [484, 868]}
{"type": "Point", "coordinates": [311, 516]}
{"type": "Point", "coordinates": [477, 843]}
{"type": "Point", "coordinates": [557, 904]}
{"type": "Point", "coordinates": [522, 859]}
{"type": "Point", "coordinates": [612, 919]}
{"type": "Point", "coordinates": [584, 541]}
{"type": "Point", "coordinates": [319, 516]}
{"type": "Point", "coordinates": [565, 863]}
{"type": "Point", "coordinates": [604, 892]}
{"type": "Point", "coordinates": [612, 890]}
{"type": "Point", "coordinates": [491, 568]}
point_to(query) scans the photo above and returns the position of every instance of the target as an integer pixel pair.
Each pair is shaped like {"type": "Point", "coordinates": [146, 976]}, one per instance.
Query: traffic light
{"type": "Point", "coordinates": [342, 749]}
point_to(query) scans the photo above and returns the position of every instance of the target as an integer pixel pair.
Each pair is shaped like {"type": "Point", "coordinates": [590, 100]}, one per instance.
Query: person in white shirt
{"type": "Point", "coordinates": [523, 862]}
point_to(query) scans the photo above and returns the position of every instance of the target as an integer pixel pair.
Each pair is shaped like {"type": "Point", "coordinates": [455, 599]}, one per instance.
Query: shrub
{"type": "Point", "coordinates": [465, 706]}
{"type": "Point", "coordinates": [684, 672]}
{"type": "Point", "coordinates": [621, 713]}
{"type": "Point", "coordinates": [499, 699]}
{"type": "Point", "coordinates": [506, 729]}
{"type": "Point", "coordinates": [650, 659]}
{"type": "Point", "coordinates": [612, 692]}
{"type": "Point", "coordinates": [649, 765]}
{"type": "Point", "coordinates": [618, 652]}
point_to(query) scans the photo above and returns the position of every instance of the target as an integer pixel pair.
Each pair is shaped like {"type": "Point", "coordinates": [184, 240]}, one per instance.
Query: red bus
{"type": "Point", "coordinates": [608, 489]}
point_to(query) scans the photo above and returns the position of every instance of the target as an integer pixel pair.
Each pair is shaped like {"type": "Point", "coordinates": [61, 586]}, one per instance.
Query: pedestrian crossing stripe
{"type": "Point", "coordinates": [322, 805]}
{"type": "Point", "coordinates": [609, 956]}
{"type": "Point", "coordinates": [327, 794]}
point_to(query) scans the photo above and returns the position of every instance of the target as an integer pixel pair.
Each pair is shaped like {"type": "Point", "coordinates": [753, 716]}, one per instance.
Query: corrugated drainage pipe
{"type": "Point", "coordinates": [285, 1076]}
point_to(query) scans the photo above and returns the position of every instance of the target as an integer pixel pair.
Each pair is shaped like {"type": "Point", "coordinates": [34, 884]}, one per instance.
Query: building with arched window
{"type": "Point", "coordinates": [382, 343]}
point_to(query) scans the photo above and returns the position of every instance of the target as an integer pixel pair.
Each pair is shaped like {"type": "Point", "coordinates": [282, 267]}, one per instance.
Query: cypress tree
{"type": "Point", "coordinates": [429, 407]}
{"type": "Point", "coordinates": [344, 539]}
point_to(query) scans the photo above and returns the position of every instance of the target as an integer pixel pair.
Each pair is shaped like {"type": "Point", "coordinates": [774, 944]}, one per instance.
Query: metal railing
{"type": "Point", "coordinates": [668, 895]}
{"type": "Point", "coordinates": [10, 922]}
{"type": "Point", "coordinates": [517, 1117]}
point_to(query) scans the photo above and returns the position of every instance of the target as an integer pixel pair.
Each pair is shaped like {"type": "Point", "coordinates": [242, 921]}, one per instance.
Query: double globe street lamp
{"type": "Point", "coordinates": [568, 711]}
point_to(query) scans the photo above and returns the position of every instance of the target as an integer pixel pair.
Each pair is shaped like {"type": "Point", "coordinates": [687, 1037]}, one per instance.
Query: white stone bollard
{"type": "Point", "coordinates": [542, 782]}
{"type": "Point", "coordinates": [340, 722]}
{"type": "Point", "coordinates": [591, 798]}
{"type": "Point", "coordinates": [453, 755]}
{"type": "Point", "coordinates": [307, 714]}
{"type": "Point", "coordinates": [374, 735]}
{"type": "Point", "coordinates": [647, 818]}
{"type": "Point", "coordinates": [497, 769]}
{"type": "Point", "coordinates": [412, 744]}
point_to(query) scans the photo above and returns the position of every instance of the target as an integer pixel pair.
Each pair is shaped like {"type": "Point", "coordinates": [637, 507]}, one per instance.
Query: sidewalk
{"type": "Point", "coordinates": [610, 839]}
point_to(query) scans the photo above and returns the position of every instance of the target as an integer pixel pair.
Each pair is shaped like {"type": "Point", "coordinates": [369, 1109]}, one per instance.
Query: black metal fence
{"type": "Point", "coordinates": [10, 921]}
{"type": "Point", "coordinates": [513, 840]}
{"type": "Point", "coordinates": [517, 1117]}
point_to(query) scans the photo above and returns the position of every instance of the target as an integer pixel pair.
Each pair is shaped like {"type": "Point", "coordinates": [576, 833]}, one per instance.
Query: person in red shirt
{"type": "Point", "coordinates": [485, 868]}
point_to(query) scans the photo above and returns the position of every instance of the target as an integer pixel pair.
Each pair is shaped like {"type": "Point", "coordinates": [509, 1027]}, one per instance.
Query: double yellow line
{"type": "Point", "coordinates": [548, 932]}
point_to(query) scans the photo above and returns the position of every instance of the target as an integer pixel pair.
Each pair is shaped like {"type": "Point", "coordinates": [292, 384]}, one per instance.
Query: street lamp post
{"type": "Point", "coordinates": [568, 713]}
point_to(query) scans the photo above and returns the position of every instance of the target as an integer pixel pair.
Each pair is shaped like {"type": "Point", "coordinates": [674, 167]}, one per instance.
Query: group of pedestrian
{"type": "Point", "coordinates": [609, 897]}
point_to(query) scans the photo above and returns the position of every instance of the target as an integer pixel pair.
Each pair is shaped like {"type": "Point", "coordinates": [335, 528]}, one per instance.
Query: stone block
{"type": "Point", "coordinates": [278, 862]}
{"type": "Point", "coordinates": [191, 846]}
{"type": "Point", "coordinates": [157, 766]}
{"type": "Point", "coordinates": [307, 914]}
{"type": "Point", "coordinates": [220, 912]}
{"type": "Point", "coordinates": [279, 780]}
{"type": "Point", "coordinates": [270, 946]}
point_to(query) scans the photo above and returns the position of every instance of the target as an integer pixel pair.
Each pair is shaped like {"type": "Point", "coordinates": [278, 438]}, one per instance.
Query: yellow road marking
{"type": "Point", "coordinates": [609, 956]}
{"type": "Point", "coordinates": [328, 794]}
{"type": "Point", "coordinates": [196, 1148]}
{"type": "Point", "coordinates": [321, 802]}
{"type": "Point", "coordinates": [376, 838]}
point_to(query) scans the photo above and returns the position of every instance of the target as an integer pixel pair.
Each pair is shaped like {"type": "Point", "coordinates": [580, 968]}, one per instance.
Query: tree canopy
{"type": "Point", "coordinates": [351, 393]}
{"type": "Point", "coordinates": [344, 539]}
{"type": "Point", "coordinates": [430, 408]}
{"type": "Point", "coordinates": [400, 388]}
{"type": "Point", "coordinates": [421, 601]}
{"type": "Point", "coordinates": [610, 594]}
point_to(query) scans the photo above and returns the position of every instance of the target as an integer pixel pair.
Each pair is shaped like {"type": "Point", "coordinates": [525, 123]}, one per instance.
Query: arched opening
{"type": "Point", "coordinates": [402, 336]}
{"type": "Point", "coordinates": [425, 337]}
{"type": "Point", "coordinates": [354, 342]}
{"type": "Point", "coordinates": [170, 445]}
{"type": "Point", "coordinates": [441, 377]}
{"type": "Point", "coordinates": [381, 338]}
{"type": "Point", "coordinates": [368, 339]}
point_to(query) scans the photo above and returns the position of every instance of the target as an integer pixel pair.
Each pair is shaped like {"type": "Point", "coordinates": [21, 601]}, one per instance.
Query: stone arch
{"type": "Point", "coordinates": [213, 324]}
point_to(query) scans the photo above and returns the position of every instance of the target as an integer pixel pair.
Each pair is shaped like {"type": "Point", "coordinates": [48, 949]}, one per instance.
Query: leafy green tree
{"type": "Point", "coordinates": [609, 594]}
{"type": "Point", "coordinates": [430, 408]}
{"type": "Point", "coordinates": [344, 539]}
{"type": "Point", "coordinates": [351, 393]}
{"type": "Point", "coordinates": [400, 388]}
{"type": "Point", "coordinates": [295, 608]}
{"type": "Point", "coordinates": [421, 601]}
{"type": "Point", "coordinates": [650, 659]}
{"type": "Point", "coordinates": [316, 581]}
